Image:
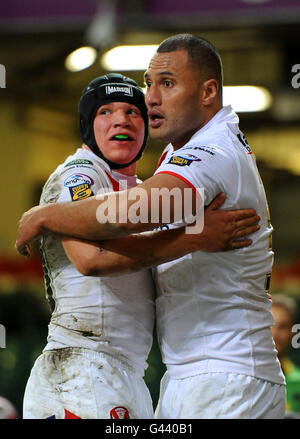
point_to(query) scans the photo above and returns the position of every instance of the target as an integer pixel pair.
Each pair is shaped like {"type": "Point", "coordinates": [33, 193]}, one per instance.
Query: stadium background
{"type": "Point", "coordinates": [259, 41]}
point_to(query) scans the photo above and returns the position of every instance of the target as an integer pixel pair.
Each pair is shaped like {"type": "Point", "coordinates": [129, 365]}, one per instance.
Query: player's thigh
{"type": "Point", "coordinates": [120, 392]}
{"type": "Point", "coordinates": [41, 397]}
{"type": "Point", "coordinates": [61, 386]}
{"type": "Point", "coordinates": [86, 384]}
{"type": "Point", "coordinates": [220, 395]}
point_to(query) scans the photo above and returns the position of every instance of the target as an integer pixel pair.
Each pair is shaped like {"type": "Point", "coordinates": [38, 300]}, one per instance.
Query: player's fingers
{"type": "Point", "coordinates": [247, 231]}
{"type": "Point", "coordinates": [24, 250]}
{"type": "Point", "coordinates": [241, 214]}
{"type": "Point", "coordinates": [217, 202]}
{"type": "Point", "coordinates": [246, 222]}
{"type": "Point", "coordinates": [241, 243]}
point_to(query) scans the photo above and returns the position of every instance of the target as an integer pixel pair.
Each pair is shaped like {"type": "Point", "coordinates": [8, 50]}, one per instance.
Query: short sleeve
{"type": "Point", "coordinates": [201, 167]}
{"type": "Point", "coordinates": [73, 183]}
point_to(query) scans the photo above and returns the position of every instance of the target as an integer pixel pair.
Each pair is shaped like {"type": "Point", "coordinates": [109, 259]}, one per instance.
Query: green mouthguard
{"type": "Point", "coordinates": [122, 136]}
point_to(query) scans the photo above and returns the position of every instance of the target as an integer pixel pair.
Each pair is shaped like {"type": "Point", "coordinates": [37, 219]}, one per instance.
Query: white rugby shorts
{"type": "Point", "coordinates": [220, 396]}
{"type": "Point", "coordinates": [81, 383]}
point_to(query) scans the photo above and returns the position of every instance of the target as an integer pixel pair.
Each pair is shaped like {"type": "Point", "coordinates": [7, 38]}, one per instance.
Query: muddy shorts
{"type": "Point", "coordinates": [81, 383]}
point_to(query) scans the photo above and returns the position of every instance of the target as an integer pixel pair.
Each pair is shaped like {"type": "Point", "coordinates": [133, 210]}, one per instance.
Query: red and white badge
{"type": "Point", "coordinates": [119, 413]}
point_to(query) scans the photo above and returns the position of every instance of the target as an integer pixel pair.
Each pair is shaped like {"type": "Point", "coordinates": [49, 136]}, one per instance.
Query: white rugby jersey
{"type": "Point", "coordinates": [213, 309]}
{"type": "Point", "coordinates": [108, 314]}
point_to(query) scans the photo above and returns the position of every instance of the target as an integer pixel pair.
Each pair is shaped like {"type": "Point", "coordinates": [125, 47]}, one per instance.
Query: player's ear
{"type": "Point", "coordinates": [209, 92]}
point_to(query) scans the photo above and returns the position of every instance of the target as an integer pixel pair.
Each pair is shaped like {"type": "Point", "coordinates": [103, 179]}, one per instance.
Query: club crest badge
{"type": "Point", "coordinates": [119, 413]}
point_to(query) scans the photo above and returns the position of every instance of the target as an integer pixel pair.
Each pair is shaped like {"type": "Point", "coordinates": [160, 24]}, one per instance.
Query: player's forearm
{"type": "Point", "coordinates": [93, 219]}
{"type": "Point", "coordinates": [128, 254]}
{"type": "Point", "coordinates": [150, 249]}
{"type": "Point", "coordinates": [105, 216]}
{"type": "Point", "coordinates": [92, 260]}
{"type": "Point", "coordinates": [79, 220]}
{"type": "Point", "coordinates": [145, 250]}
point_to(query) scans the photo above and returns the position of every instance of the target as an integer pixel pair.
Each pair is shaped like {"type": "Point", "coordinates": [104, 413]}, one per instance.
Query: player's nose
{"type": "Point", "coordinates": [153, 96]}
{"type": "Point", "coordinates": [121, 118]}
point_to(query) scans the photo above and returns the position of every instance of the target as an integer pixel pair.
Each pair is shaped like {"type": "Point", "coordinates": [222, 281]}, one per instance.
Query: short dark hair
{"type": "Point", "coordinates": [201, 53]}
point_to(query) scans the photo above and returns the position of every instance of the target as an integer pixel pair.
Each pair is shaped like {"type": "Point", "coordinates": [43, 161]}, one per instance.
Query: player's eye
{"type": "Point", "coordinates": [168, 83]}
{"type": "Point", "coordinates": [133, 111]}
{"type": "Point", "coordinates": [104, 111]}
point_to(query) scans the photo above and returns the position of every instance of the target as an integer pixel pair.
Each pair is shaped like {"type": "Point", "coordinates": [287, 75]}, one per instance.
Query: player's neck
{"type": "Point", "coordinates": [129, 170]}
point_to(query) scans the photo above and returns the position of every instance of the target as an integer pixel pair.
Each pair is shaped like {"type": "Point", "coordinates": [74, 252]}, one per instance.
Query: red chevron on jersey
{"type": "Point", "coordinates": [162, 159]}
{"type": "Point", "coordinates": [115, 184]}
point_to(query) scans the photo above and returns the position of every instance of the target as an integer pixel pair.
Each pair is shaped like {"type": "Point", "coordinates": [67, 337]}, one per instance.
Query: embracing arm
{"type": "Point", "coordinates": [82, 219]}
{"type": "Point", "coordinates": [139, 251]}
{"type": "Point", "coordinates": [125, 255]}
{"type": "Point", "coordinates": [102, 216]}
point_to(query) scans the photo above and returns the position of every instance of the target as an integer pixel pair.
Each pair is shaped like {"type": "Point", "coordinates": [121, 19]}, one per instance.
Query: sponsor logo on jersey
{"type": "Point", "coordinates": [79, 162]}
{"type": "Point", "coordinates": [109, 89]}
{"type": "Point", "coordinates": [119, 413]}
{"type": "Point", "coordinates": [79, 186]}
{"type": "Point", "coordinates": [244, 142]}
{"type": "Point", "coordinates": [76, 179]}
{"type": "Point", "coordinates": [183, 161]}
{"type": "Point", "coordinates": [80, 192]}
{"type": "Point", "coordinates": [267, 282]}
{"type": "Point", "coordinates": [208, 149]}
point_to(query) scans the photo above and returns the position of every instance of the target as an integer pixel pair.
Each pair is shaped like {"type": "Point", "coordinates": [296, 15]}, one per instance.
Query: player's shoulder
{"type": "Point", "coordinates": [82, 167]}
{"type": "Point", "coordinates": [219, 145]}
{"type": "Point", "coordinates": [208, 150]}
{"type": "Point", "coordinates": [198, 153]}
{"type": "Point", "coordinates": [215, 145]}
{"type": "Point", "coordinates": [84, 163]}
{"type": "Point", "coordinates": [82, 158]}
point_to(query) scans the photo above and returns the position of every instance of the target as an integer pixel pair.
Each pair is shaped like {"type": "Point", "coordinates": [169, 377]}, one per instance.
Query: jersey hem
{"type": "Point", "coordinates": [189, 370]}
{"type": "Point", "coordinates": [62, 338]}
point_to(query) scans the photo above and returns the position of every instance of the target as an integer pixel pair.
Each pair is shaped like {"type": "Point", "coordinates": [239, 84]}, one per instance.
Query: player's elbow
{"type": "Point", "coordinates": [87, 268]}
{"type": "Point", "coordinates": [100, 269]}
{"type": "Point", "coordinates": [90, 271]}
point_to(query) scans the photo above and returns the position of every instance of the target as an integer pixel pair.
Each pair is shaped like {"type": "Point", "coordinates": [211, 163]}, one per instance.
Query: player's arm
{"type": "Point", "coordinates": [128, 254]}
{"type": "Point", "coordinates": [123, 255]}
{"type": "Point", "coordinates": [91, 259]}
{"type": "Point", "coordinates": [148, 249]}
{"type": "Point", "coordinates": [82, 219]}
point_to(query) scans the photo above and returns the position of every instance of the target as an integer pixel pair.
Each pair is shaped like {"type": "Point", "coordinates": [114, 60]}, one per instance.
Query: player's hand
{"type": "Point", "coordinates": [228, 229]}
{"type": "Point", "coordinates": [29, 229]}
